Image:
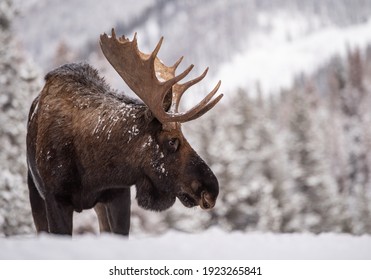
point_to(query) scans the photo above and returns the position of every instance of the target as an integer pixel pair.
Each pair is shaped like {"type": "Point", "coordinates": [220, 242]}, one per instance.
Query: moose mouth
{"type": "Point", "coordinates": [187, 200]}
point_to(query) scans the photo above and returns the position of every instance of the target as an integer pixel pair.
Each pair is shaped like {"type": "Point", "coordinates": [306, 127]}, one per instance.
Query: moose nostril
{"type": "Point", "coordinates": [206, 205]}
{"type": "Point", "coordinates": [207, 202]}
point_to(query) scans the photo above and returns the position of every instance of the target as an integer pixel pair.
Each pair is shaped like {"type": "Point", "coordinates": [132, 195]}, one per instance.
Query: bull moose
{"type": "Point", "coordinates": [87, 144]}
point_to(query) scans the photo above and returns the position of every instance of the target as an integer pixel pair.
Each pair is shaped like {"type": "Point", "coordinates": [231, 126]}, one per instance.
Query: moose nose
{"type": "Point", "coordinates": [207, 201]}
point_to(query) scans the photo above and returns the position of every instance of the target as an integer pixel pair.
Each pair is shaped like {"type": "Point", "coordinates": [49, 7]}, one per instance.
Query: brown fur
{"type": "Point", "coordinates": [87, 144]}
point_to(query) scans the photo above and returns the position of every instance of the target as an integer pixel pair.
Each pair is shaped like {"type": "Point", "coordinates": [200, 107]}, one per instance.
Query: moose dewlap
{"type": "Point", "coordinates": [87, 144]}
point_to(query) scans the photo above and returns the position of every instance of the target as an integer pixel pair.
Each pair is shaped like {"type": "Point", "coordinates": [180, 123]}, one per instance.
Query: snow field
{"type": "Point", "coordinates": [212, 244]}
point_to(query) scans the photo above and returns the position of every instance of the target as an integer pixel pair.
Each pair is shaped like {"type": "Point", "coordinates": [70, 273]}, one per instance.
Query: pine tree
{"type": "Point", "coordinates": [18, 84]}
{"type": "Point", "coordinates": [314, 186]}
{"type": "Point", "coordinates": [355, 101]}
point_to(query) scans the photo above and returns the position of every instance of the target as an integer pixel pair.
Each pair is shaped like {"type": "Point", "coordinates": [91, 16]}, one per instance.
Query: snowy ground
{"type": "Point", "coordinates": [212, 244]}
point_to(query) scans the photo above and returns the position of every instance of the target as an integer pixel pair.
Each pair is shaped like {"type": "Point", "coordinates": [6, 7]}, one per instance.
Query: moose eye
{"type": "Point", "coordinates": [173, 144]}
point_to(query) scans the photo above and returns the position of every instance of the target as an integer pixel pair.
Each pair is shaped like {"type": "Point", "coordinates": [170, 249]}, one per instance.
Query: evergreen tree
{"type": "Point", "coordinates": [18, 84]}
{"type": "Point", "coordinates": [310, 167]}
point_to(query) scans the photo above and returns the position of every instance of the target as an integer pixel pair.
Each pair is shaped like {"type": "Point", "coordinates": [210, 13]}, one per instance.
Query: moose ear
{"type": "Point", "coordinates": [166, 105]}
{"type": "Point", "coordinates": [148, 115]}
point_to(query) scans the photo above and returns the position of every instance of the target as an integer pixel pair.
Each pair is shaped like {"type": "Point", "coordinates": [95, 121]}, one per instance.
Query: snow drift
{"type": "Point", "coordinates": [212, 244]}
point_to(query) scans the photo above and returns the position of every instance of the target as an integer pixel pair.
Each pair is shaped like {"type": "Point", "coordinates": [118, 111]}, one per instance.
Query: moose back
{"type": "Point", "coordinates": [87, 144]}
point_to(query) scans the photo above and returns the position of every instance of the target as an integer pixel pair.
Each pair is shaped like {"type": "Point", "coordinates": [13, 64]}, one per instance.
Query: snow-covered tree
{"type": "Point", "coordinates": [18, 84]}
{"type": "Point", "coordinates": [310, 169]}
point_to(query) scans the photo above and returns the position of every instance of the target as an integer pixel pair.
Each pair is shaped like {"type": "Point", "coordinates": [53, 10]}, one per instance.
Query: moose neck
{"type": "Point", "coordinates": [112, 138]}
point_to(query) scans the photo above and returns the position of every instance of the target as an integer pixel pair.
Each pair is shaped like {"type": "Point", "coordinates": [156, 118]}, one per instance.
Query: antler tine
{"type": "Point", "coordinates": [190, 83]}
{"type": "Point", "coordinates": [156, 50]}
{"type": "Point", "coordinates": [176, 64]}
{"type": "Point", "coordinates": [134, 42]}
{"type": "Point", "coordinates": [180, 76]}
{"type": "Point", "coordinates": [202, 107]}
{"type": "Point", "coordinates": [179, 89]}
{"type": "Point", "coordinates": [206, 108]}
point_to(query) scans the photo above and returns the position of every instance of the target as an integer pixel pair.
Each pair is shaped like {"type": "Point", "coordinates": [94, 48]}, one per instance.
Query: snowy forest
{"type": "Point", "coordinates": [293, 157]}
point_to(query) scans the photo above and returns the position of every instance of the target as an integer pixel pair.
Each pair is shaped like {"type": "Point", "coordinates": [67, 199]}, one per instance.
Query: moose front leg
{"type": "Point", "coordinates": [101, 211]}
{"type": "Point", "coordinates": [59, 215]}
{"type": "Point", "coordinates": [114, 215]}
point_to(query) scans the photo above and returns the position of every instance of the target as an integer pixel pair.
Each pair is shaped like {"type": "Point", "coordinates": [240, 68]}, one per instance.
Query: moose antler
{"type": "Point", "coordinates": [139, 72]}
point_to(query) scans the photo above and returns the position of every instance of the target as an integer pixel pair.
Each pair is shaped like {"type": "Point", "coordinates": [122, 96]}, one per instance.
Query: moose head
{"type": "Point", "coordinates": [87, 144]}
